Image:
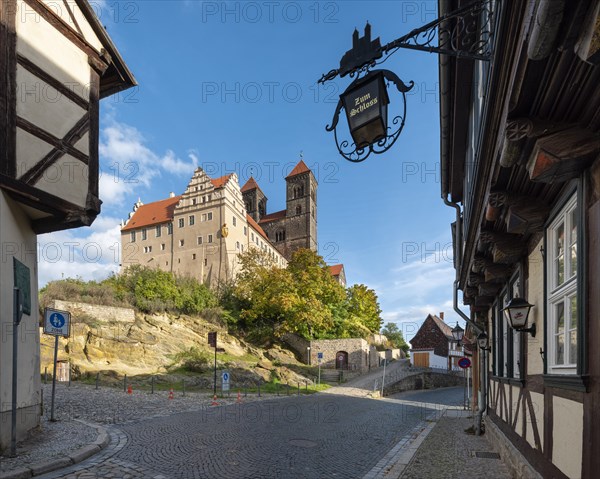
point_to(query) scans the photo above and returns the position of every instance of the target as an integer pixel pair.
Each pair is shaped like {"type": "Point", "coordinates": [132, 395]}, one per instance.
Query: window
{"type": "Point", "coordinates": [245, 231]}
{"type": "Point", "coordinates": [209, 240]}
{"type": "Point", "coordinates": [207, 216]}
{"type": "Point", "coordinates": [169, 228]}
{"type": "Point", "coordinates": [205, 262]}
{"type": "Point", "coordinates": [237, 244]}
{"type": "Point", "coordinates": [158, 231]}
{"type": "Point", "coordinates": [181, 242]}
{"type": "Point", "coordinates": [251, 236]}
{"type": "Point", "coordinates": [194, 201]}
{"type": "Point", "coordinates": [562, 290]}
{"type": "Point", "coordinates": [191, 220]}
{"type": "Point", "coordinates": [234, 221]}
{"type": "Point", "coordinates": [199, 240]}
{"type": "Point", "coordinates": [144, 234]}
{"type": "Point", "coordinates": [181, 222]}
{"type": "Point", "coordinates": [162, 247]}
{"type": "Point", "coordinates": [194, 256]}
{"type": "Point", "coordinates": [147, 249]}
{"type": "Point", "coordinates": [298, 210]}
{"type": "Point", "coordinates": [133, 236]}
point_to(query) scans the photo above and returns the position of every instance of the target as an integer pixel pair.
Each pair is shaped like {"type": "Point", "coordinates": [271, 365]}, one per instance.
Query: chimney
{"type": "Point", "coordinates": [171, 195]}
{"type": "Point", "coordinates": [442, 315]}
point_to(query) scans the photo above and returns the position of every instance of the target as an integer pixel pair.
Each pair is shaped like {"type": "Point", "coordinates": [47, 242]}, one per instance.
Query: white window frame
{"type": "Point", "coordinates": [562, 293]}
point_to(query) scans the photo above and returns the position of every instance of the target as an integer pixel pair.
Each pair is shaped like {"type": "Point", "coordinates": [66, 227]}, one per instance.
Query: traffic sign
{"type": "Point", "coordinates": [464, 363]}
{"type": "Point", "coordinates": [319, 355]}
{"type": "Point", "coordinates": [225, 381]}
{"type": "Point", "coordinates": [212, 339]}
{"type": "Point", "coordinates": [56, 322]}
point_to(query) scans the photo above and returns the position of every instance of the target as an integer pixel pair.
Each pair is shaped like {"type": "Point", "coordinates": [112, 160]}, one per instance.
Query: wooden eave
{"type": "Point", "coordinates": [559, 97]}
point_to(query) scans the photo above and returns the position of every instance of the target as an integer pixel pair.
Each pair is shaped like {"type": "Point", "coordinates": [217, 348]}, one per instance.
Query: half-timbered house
{"type": "Point", "coordinates": [56, 63]}
{"type": "Point", "coordinates": [520, 164]}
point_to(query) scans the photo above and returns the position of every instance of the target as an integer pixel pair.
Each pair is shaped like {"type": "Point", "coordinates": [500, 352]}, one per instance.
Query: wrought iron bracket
{"type": "Point", "coordinates": [464, 33]}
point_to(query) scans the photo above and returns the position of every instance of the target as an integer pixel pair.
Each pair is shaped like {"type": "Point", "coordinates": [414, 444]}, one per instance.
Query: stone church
{"type": "Point", "coordinates": [201, 232]}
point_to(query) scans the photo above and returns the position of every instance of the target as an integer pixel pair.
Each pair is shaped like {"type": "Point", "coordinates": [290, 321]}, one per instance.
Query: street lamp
{"type": "Point", "coordinates": [308, 353]}
{"type": "Point", "coordinates": [517, 313]}
{"type": "Point", "coordinates": [458, 333]}
{"type": "Point", "coordinates": [482, 341]}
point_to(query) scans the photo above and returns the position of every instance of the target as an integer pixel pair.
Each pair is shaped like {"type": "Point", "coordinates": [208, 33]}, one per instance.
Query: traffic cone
{"type": "Point", "coordinates": [171, 395]}
{"type": "Point", "coordinates": [129, 389]}
{"type": "Point", "coordinates": [214, 401]}
{"type": "Point", "coordinates": [239, 399]}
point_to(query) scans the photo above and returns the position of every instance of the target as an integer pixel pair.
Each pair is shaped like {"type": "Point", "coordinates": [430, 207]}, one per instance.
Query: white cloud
{"type": "Point", "coordinates": [176, 166]}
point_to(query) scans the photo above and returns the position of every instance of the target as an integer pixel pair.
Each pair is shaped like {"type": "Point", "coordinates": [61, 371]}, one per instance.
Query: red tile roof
{"type": "Point", "coordinates": [258, 229]}
{"type": "Point", "coordinates": [220, 182]}
{"type": "Point", "coordinates": [153, 213]}
{"type": "Point", "coordinates": [273, 216]}
{"type": "Point", "coordinates": [299, 169]}
{"type": "Point", "coordinates": [336, 269]}
{"type": "Point", "coordinates": [251, 184]}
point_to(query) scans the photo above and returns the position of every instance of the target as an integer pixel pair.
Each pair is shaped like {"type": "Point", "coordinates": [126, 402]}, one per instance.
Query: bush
{"type": "Point", "coordinates": [193, 360]}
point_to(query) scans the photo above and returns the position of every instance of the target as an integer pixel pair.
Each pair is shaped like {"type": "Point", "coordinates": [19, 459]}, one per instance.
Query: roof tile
{"type": "Point", "coordinates": [153, 213]}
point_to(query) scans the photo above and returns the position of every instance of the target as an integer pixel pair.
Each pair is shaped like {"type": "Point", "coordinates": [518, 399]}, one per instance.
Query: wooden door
{"type": "Point", "coordinates": [421, 360]}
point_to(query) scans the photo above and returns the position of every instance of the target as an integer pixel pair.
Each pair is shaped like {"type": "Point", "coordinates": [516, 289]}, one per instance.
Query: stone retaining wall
{"type": "Point", "coordinates": [105, 313]}
{"type": "Point", "coordinates": [424, 380]}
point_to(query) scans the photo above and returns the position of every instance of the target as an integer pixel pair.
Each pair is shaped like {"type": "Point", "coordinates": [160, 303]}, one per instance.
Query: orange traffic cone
{"type": "Point", "coordinates": [214, 401]}
{"type": "Point", "coordinates": [239, 399]}
{"type": "Point", "coordinates": [171, 395]}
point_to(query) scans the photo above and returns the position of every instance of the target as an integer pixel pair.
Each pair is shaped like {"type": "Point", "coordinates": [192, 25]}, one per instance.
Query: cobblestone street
{"type": "Point", "coordinates": [319, 436]}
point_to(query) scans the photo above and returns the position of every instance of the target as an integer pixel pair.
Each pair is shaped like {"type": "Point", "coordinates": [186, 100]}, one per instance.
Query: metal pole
{"type": "Point", "coordinates": [383, 379]}
{"type": "Point", "coordinates": [259, 389]}
{"type": "Point", "coordinates": [183, 386]}
{"type": "Point", "coordinates": [97, 379]}
{"type": "Point", "coordinates": [16, 320]}
{"type": "Point", "coordinates": [215, 381]}
{"type": "Point", "coordinates": [298, 389]}
{"type": "Point", "coordinates": [125, 383]}
{"type": "Point", "coordinates": [152, 385]}
{"type": "Point", "coordinates": [319, 381]}
{"type": "Point", "coordinates": [54, 379]}
{"type": "Point", "coordinates": [46, 375]}
{"type": "Point", "coordinates": [465, 390]}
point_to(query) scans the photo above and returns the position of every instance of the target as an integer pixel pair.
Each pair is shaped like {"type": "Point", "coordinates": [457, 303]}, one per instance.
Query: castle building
{"type": "Point", "coordinates": [201, 232]}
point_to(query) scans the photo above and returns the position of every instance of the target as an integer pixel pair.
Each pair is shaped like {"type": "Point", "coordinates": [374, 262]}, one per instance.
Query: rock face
{"type": "Point", "coordinates": [127, 342]}
{"type": "Point", "coordinates": [122, 341]}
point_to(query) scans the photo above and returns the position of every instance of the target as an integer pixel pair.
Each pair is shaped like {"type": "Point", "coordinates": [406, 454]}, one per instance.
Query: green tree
{"type": "Point", "coordinates": [363, 307]}
{"type": "Point", "coordinates": [394, 336]}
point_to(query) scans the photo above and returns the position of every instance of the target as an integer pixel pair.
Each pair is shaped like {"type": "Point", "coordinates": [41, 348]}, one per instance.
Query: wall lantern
{"type": "Point", "coordinates": [365, 102]}
{"type": "Point", "coordinates": [517, 313]}
{"type": "Point", "coordinates": [458, 333]}
{"type": "Point", "coordinates": [482, 341]}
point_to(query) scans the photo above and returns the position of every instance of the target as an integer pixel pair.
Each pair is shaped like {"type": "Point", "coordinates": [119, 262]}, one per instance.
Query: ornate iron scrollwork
{"type": "Point", "coordinates": [356, 155]}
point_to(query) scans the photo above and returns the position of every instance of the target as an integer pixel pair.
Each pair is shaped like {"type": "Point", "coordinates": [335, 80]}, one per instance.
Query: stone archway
{"type": "Point", "coordinates": [341, 360]}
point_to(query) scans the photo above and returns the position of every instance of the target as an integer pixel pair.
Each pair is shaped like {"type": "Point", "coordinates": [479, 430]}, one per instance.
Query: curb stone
{"type": "Point", "coordinates": [77, 456]}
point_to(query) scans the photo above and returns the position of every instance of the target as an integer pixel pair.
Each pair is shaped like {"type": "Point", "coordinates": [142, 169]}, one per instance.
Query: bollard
{"type": "Point", "coordinates": [277, 388]}
{"type": "Point", "coordinates": [97, 380]}
{"type": "Point", "coordinates": [152, 385]}
{"type": "Point", "coordinates": [69, 374]}
{"type": "Point", "coordinates": [46, 375]}
{"type": "Point", "coordinates": [245, 391]}
{"type": "Point", "coordinates": [298, 389]}
{"type": "Point", "coordinates": [258, 389]}
{"type": "Point", "coordinates": [125, 383]}
{"type": "Point", "coordinates": [183, 386]}
{"type": "Point", "coordinates": [288, 389]}
{"type": "Point", "coordinates": [306, 384]}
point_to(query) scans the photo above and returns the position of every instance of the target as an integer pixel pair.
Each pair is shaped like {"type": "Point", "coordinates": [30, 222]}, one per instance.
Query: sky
{"type": "Point", "coordinates": [232, 87]}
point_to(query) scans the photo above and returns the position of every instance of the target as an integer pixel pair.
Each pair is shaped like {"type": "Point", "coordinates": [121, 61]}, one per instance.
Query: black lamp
{"type": "Point", "coordinates": [482, 341]}
{"type": "Point", "coordinates": [458, 333]}
{"type": "Point", "coordinates": [517, 313]}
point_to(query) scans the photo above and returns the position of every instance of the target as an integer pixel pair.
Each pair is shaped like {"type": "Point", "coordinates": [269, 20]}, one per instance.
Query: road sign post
{"type": "Point", "coordinates": [225, 381]}
{"type": "Point", "coordinates": [319, 359]}
{"type": "Point", "coordinates": [465, 364]}
{"type": "Point", "coordinates": [212, 341]}
{"type": "Point", "coordinates": [17, 315]}
{"type": "Point", "coordinates": [56, 323]}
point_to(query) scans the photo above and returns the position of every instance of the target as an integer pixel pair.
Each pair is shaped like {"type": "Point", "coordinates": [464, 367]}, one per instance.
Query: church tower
{"type": "Point", "coordinates": [254, 200]}
{"type": "Point", "coordinates": [301, 209]}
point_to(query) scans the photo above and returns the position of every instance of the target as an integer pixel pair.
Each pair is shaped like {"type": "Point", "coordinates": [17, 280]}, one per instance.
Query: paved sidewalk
{"type": "Point", "coordinates": [443, 450]}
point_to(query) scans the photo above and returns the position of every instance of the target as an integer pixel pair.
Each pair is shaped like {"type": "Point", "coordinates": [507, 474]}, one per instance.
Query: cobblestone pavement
{"type": "Point", "coordinates": [448, 452]}
{"type": "Point", "coordinates": [319, 436]}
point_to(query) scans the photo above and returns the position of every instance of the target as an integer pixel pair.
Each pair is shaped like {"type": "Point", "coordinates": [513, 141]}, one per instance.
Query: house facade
{"type": "Point", "coordinates": [433, 345]}
{"type": "Point", "coordinates": [520, 145]}
{"type": "Point", "coordinates": [199, 233]}
{"type": "Point", "coordinates": [56, 63]}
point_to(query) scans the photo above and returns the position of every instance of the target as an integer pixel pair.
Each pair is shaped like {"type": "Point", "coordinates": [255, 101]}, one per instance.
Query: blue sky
{"type": "Point", "coordinates": [232, 86]}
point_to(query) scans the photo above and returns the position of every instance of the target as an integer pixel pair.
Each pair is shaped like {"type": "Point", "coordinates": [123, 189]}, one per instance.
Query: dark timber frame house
{"type": "Point", "coordinates": [520, 163]}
